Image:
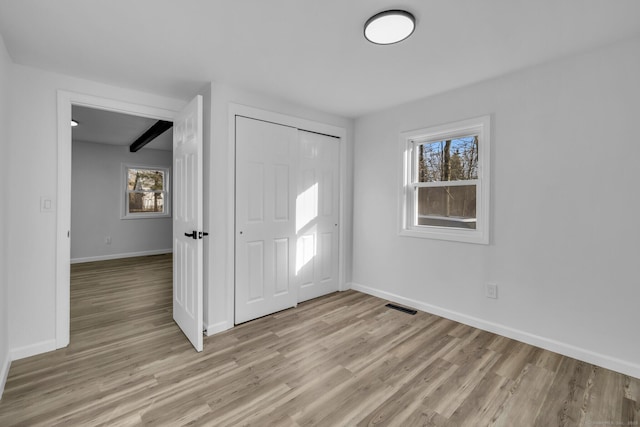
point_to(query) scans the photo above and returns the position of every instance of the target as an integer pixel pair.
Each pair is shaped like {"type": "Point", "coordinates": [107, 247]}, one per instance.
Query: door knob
{"type": "Point", "coordinates": [196, 234]}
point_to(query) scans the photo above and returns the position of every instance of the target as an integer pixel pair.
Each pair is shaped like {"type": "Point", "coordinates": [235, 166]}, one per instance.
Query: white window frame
{"type": "Point", "coordinates": [480, 126]}
{"type": "Point", "coordinates": [167, 195]}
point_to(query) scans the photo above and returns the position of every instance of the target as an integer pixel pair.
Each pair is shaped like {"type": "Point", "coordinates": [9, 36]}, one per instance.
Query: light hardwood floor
{"type": "Point", "coordinates": [341, 360]}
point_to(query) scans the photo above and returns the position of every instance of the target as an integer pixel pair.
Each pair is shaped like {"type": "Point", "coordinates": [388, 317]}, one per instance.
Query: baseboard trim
{"type": "Point", "coordinates": [33, 349]}
{"type": "Point", "coordinates": [345, 287]}
{"type": "Point", "coordinates": [4, 372]}
{"type": "Point", "coordinates": [216, 328]}
{"type": "Point", "coordinates": [118, 256]}
{"type": "Point", "coordinates": [599, 359]}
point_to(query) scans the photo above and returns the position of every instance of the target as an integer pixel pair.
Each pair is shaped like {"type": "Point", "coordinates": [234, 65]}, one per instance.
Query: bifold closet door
{"type": "Point", "coordinates": [266, 171]}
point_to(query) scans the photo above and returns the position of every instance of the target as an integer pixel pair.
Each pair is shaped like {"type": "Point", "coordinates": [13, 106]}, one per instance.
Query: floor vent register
{"type": "Point", "coordinates": [402, 309]}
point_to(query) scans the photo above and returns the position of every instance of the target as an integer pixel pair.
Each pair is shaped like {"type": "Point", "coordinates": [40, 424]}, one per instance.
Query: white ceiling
{"type": "Point", "coordinates": [107, 127]}
{"type": "Point", "coordinates": [311, 52]}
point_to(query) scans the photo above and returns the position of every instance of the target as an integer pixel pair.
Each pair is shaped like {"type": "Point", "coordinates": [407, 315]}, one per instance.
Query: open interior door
{"type": "Point", "coordinates": [187, 221]}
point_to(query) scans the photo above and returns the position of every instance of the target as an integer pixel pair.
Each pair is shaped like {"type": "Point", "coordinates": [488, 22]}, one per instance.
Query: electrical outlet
{"type": "Point", "coordinates": [46, 204]}
{"type": "Point", "coordinates": [491, 290]}
{"type": "Point", "coordinates": [107, 240]}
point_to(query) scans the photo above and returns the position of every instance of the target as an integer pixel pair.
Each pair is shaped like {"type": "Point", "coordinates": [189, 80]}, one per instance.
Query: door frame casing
{"type": "Point", "coordinates": [302, 124]}
{"type": "Point", "coordinates": [65, 100]}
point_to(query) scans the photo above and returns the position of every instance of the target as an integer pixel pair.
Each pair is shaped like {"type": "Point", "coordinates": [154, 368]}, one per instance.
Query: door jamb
{"type": "Point", "coordinates": [302, 124]}
{"type": "Point", "coordinates": [63, 221]}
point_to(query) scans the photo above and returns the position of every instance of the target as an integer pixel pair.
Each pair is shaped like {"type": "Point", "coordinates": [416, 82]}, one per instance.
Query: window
{"type": "Point", "coordinates": [146, 192]}
{"type": "Point", "coordinates": [445, 182]}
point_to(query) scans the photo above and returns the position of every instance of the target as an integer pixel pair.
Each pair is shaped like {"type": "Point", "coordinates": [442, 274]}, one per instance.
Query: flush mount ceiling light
{"type": "Point", "coordinates": [390, 26]}
{"type": "Point", "coordinates": [74, 123]}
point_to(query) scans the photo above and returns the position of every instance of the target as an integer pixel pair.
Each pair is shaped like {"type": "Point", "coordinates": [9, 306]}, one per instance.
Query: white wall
{"type": "Point", "coordinates": [564, 242]}
{"type": "Point", "coordinates": [220, 275]}
{"type": "Point", "coordinates": [97, 199]}
{"type": "Point", "coordinates": [5, 65]}
{"type": "Point", "coordinates": [32, 234]}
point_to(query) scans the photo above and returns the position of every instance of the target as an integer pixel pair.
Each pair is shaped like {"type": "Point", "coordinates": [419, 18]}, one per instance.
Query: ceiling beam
{"type": "Point", "coordinates": [152, 133]}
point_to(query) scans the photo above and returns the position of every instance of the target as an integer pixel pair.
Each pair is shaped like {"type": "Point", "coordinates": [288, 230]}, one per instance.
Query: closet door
{"type": "Point", "coordinates": [266, 159]}
{"type": "Point", "coordinates": [317, 213]}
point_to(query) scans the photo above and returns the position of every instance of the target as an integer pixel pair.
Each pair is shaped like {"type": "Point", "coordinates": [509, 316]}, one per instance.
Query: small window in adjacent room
{"type": "Point", "coordinates": [445, 187]}
{"type": "Point", "coordinates": [146, 192]}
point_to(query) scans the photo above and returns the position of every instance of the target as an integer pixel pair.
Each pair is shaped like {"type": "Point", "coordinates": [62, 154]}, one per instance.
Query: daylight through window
{"type": "Point", "coordinates": [445, 182]}
{"type": "Point", "coordinates": [146, 192]}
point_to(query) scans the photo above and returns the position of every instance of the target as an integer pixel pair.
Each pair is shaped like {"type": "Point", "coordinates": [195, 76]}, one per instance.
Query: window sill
{"type": "Point", "coordinates": [453, 235]}
{"type": "Point", "coordinates": [145, 216]}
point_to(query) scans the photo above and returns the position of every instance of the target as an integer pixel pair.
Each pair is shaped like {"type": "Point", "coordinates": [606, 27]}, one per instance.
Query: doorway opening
{"type": "Point", "coordinates": [67, 101]}
{"type": "Point", "coordinates": [120, 216]}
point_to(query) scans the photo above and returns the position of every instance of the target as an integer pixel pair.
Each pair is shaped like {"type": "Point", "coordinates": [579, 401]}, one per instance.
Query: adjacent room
{"type": "Point", "coordinates": [120, 198]}
{"type": "Point", "coordinates": [319, 213]}
{"type": "Point", "coordinates": [121, 228]}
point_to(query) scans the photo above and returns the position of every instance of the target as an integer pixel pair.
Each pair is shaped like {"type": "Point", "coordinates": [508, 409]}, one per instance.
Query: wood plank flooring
{"type": "Point", "coordinates": [341, 360]}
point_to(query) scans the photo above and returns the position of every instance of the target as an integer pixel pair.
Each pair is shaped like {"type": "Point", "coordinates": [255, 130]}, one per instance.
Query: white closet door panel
{"type": "Point", "coordinates": [266, 173]}
{"type": "Point", "coordinates": [317, 215]}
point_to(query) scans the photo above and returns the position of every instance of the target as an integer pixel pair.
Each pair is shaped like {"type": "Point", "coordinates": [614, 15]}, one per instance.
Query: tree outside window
{"type": "Point", "coordinates": [445, 182]}
{"type": "Point", "coordinates": [146, 192]}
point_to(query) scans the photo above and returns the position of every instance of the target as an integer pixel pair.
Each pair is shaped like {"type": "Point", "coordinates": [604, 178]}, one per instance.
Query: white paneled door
{"type": "Point", "coordinates": [287, 204]}
{"type": "Point", "coordinates": [187, 221]}
{"type": "Point", "coordinates": [317, 215]}
{"type": "Point", "coordinates": [265, 218]}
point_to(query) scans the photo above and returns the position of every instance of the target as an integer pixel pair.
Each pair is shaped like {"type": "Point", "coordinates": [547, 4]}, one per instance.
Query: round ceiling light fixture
{"type": "Point", "coordinates": [389, 27]}
{"type": "Point", "coordinates": [73, 123]}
